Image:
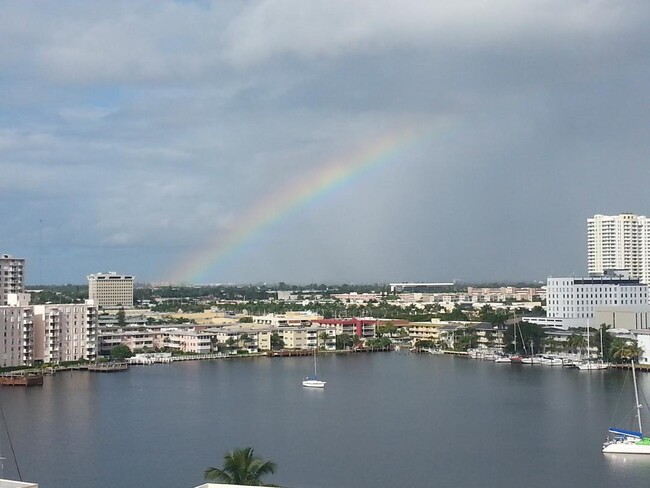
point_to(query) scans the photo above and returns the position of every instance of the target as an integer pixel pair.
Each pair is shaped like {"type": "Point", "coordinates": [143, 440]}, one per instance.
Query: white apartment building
{"type": "Point", "coordinates": [65, 332]}
{"type": "Point", "coordinates": [619, 242]}
{"type": "Point", "coordinates": [12, 272]}
{"type": "Point", "coordinates": [110, 290]}
{"type": "Point", "coordinates": [571, 302]}
{"type": "Point", "coordinates": [17, 329]}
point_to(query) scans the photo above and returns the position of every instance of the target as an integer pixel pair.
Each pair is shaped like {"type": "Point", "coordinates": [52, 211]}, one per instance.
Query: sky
{"type": "Point", "coordinates": [321, 141]}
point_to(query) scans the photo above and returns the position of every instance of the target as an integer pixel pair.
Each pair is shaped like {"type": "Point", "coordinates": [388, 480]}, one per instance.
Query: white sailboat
{"type": "Point", "coordinates": [629, 441]}
{"type": "Point", "coordinates": [588, 365]}
{"type": "Point", "coordinates": [313, 381]}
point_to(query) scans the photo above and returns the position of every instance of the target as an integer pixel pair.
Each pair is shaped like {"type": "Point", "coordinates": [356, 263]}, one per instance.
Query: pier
{"type": "Point", "coordinates": [108, 367]}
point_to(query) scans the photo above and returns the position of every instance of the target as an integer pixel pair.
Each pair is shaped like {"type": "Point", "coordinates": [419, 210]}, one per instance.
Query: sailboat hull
{"type": "Point", "coordinates": [592, 366]}
{"type": "Point", "coordinates": [313, 384]}
{"type": "Point", "coordinates": [626, 448]}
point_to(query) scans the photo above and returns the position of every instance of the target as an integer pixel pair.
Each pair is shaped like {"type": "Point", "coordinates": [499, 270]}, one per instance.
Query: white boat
{"type": "Point", "coordinates": [589, 365]}
{"type": "Point", "coordinates": [551, 361]}
{"type": "Point", "coordinates": [532, 360]}
{"type": "Point", "coordinates": [502, 359]}
{"type": "Point", "coordinates": [623, 441]}
{"type": "Point", "coordinates": [313, 381]}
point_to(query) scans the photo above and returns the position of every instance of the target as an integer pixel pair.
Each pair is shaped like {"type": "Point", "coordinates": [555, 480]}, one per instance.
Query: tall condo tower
{"type": "Point", "coordinates": [619, 242]}
{"type": "Point", "coordinates": [12, 273]}
{"type": "Point", "coordinates": [110, 290]}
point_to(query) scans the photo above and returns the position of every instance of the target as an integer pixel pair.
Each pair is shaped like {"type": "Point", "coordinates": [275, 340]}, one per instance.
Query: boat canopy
{"type": "Point", "coordinates": [627, 433]}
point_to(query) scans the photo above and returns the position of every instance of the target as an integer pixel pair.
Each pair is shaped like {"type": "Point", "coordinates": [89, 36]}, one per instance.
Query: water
{"type": "Point", "coordinates": [386, 419]}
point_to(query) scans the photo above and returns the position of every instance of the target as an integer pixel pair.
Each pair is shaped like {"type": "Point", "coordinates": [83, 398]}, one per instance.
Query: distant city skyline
{"type": "Point", "coordinates": [328, 142]}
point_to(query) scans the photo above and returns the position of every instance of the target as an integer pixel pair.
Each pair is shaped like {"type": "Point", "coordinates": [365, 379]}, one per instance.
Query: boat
{"type": "Point", "coordinates": [503, 359]}
{"type": "Point", "coordinates": [623, 441]}
{"type": "Point", "coordinates": [532, 359]}
{"type": "Point", "coordinates": [313, 381]}
{"type": "Point", "coordinates": [552, 361]}
{"type": "Point", "coordinates": [589, 365]}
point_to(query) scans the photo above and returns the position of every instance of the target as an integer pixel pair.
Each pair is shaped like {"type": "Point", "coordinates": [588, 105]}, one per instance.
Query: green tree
{"type": "Point", "coordinates": [530, 334]}
{"type": "Point", "coordinates": [241, 467]}
{"type": "Point", "coordinates": [276, 342]}
{"type": "Point", "coordinates": [624, 350]}
{"type": "Point", "coordinates": [121, 352]}
{"type": "Point", "coordinates": [121, 318]}
{"type": "Point", "coordinates": [576, 342]}
{"type": "Point", "coordinates": [344, 341]}
{"type": "Point", "coordinates": [245, 320]}
{"type": "Point", "coordinates": [322, 340]}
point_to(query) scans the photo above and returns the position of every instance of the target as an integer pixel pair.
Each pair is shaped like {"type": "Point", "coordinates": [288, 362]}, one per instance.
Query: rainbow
{"type": "Point", "coordinates": [302, 192]}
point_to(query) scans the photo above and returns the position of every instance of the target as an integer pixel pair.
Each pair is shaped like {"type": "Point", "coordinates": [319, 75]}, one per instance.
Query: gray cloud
{"type": "Point", "coordinates": [132, 135]}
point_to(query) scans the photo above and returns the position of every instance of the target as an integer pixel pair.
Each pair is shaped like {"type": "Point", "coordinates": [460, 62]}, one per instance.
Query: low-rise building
{"type": "Point", "coordinates": [363, 328]}
{"type": "Point", "coordinates": [65, 332]}
{"type": "Point", "coordinates": [572, 302]}
{"type": "Point", "coordinates": [17, 328]}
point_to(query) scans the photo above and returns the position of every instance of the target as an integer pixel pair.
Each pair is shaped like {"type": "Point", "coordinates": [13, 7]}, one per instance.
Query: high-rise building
{"type": "Point", "coordinates": [619, 242]}
{"type": "Point", "coordinates": [12, 272]}
{"type": "Point", "coordinates": [110, 290]}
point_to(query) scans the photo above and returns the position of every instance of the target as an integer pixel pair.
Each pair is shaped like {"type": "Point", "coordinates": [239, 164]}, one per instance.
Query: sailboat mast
{"type": "Point", "coordinates": [636, 397]}
{"type": "Point", "coordinates": [602, 353]}
{"type": "Point", "coordinates": [588, 347]}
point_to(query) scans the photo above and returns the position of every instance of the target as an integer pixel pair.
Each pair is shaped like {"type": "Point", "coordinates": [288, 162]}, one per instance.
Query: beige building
{"type": "Point", "coordinates": [179, 339]}
{"type": "Point", "coordinates": [12, 272]}
{"type": "Point", "coordinates": [631, 317]}
{"type": "Point", "coordinates": [110, 290]}
{"type": "Point", "coordinates": [65, 332]}
{"type": "Point", "coordinates": [17, 328]}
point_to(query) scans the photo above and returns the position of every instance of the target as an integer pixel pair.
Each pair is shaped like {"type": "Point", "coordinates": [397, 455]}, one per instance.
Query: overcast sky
{"type": "Point", "coordinates": [136, 135]}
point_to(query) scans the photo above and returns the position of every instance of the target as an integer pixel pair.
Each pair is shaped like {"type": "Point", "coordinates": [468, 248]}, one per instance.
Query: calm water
{"type": "Point", "coordinates": [384, 420]}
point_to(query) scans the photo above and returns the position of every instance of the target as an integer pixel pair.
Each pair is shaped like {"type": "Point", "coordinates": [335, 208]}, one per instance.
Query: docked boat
{"type": "Point", "coordinates": [313, 381]}
{"type": "Point", "coordinates": [503, 359]}
{"type": "Point", "coordinates": [552, 361]}
{"type": "Point", "coordinates": [532, 360]}
{"type": "Point", "coordinates": [588, 364]}
{"type": "Point", "coordinates": [623, 441]}
{"type": "Point", "coordinates": [591, 365]}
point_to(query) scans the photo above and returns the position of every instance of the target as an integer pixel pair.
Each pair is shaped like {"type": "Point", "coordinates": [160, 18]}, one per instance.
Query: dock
{"type": "Point", "coordinates": [637, 367]}
{"type": "Point", "coordinates": [108, 367]}
{"type": "Point", "coordinates": [21, 379]}
{"type": "Point", "coordinates": [287, 353]}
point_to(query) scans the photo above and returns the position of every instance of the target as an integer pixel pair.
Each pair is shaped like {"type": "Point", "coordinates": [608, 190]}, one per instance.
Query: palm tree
{"type": "Point", "coordinates": [624, 351]}
{"type": "Point", "coordinates": [240, 467]}
{"type": "Point", "coordinates": [576, 342]}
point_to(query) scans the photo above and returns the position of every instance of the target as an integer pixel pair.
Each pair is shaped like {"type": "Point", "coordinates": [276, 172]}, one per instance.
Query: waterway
{"type": "Point", "coordinates": [384, 420]}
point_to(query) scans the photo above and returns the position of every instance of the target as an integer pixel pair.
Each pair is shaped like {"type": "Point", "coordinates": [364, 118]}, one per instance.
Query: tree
{"type": "Point", "coordinates": [241, 467]}
{"type": "Point", "coordinates": [344, 341]}
{"type": "Point", "coordinates": [322, 340]}
{"type": "Point", "coordinates": [276, 342]}
{"type": "Point", "coordinates": [121, 318]}
{"type": "Point", "coordinates": [121, 352]}
{"type": "Point", "coordinates": [624, 350]}
{"type": "Point", "coordinates": [576, 342]}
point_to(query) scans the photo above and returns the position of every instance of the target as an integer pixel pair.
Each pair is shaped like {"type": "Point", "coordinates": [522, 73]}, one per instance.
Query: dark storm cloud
{"type": "Point", "coordinates": [134, 134]}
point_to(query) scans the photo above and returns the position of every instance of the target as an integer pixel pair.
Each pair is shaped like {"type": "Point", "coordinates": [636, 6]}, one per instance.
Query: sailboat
{"type": "Point", "coordinates": [313, 381]}
{"type": "Point", "coordinates": [629, 441]}
{"type": "Point", "coordinates": [588, 365]}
